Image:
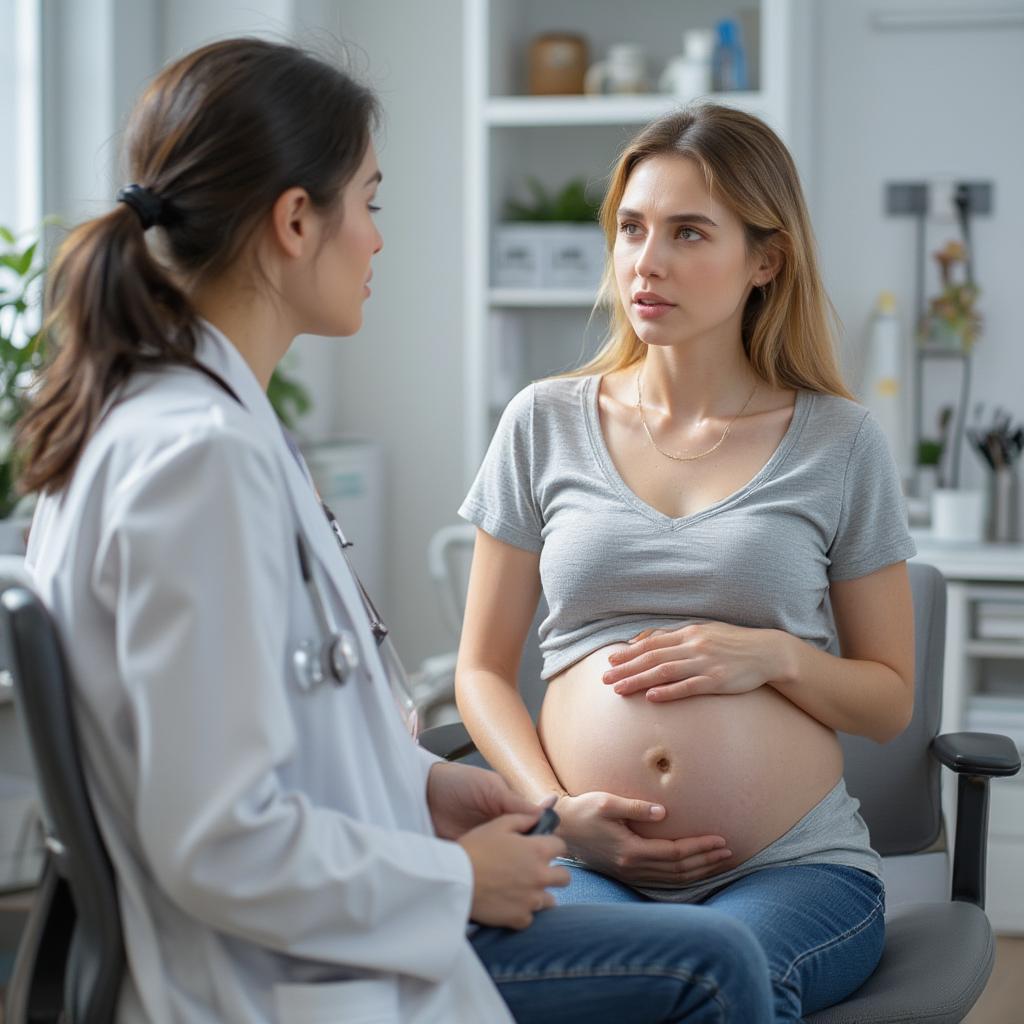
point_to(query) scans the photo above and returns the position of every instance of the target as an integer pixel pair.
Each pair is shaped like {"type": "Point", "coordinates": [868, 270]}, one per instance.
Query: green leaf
{"type": "Point", "coordinates": [570, 204]}
{"type": "Point", "coordinates": [8, 495]}
{"type": "Point", "coordinates": [7, 235]}
{"type": "Point", "coordinates": [288, 397]}
{"type": "Point", "coordinates": [25, 263]}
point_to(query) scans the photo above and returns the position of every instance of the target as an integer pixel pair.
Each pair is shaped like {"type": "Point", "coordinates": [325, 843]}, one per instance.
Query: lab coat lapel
{"type": "Point", "coordinates": [221, 356]}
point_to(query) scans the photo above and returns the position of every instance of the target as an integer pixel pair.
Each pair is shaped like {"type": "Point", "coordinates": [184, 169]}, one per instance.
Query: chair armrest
{"type": "Point", "coordinates": [975, 757]}
{"type": "Point", "coordinates": [977, 753]}
{"type": "Point", "coordinates": [449, 741]}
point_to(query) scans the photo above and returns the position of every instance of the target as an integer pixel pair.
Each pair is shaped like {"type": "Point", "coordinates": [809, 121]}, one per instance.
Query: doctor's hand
{"type": "Point", "coordinates": [461, 797]}
{"type": "Point", "coordinates": [596, 830]}
{"type": "Point", "coordinates": [511, 871]}
{"type": "Point", "coordinates": [705, 657]}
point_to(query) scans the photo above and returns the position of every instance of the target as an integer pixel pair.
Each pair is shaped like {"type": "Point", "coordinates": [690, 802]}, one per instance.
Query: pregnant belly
{"type": "Point", "coordinates": [746, 767]}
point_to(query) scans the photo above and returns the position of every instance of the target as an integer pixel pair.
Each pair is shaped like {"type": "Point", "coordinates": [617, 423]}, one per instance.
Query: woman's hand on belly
{"type": "Point", "coordinates": [702, 658]}
{"type": "Point", "coordinates": [595, 827]}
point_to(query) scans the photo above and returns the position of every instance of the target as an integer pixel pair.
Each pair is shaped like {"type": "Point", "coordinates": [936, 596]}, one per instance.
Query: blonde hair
{"type": "Point", "coordinates": [789, 330]}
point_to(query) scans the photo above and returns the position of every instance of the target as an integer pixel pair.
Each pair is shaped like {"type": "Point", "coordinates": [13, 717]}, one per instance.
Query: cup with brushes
{"type": "Point", "coordinates": [998, 442]}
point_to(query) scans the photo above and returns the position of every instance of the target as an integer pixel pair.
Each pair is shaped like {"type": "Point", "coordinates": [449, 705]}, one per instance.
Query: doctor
{"type": "Point", "coordinates": [283, 850]}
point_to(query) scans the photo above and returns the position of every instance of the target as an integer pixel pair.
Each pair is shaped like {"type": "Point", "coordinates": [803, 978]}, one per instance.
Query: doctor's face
{"type": "Point", "coordinates": [342, 267]}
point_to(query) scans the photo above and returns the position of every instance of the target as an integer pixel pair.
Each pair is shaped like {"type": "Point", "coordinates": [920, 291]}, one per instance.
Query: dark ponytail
{"type": "Point", "coordinates": [212, 143]}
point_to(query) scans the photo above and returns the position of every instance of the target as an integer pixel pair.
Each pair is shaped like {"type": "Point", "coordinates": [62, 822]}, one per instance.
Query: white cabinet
{"type": "Point", "coordinates": [517, 335]}
{"type": "Point", "coordinates": [984, 692]}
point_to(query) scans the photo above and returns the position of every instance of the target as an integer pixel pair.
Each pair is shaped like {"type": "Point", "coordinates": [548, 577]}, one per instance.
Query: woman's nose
{"type": "Point", "coordinates": [649, 260]}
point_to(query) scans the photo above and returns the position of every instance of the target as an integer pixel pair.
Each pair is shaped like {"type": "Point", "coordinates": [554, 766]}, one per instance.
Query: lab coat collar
{"type": "Point", "coordinates": [218, 353]}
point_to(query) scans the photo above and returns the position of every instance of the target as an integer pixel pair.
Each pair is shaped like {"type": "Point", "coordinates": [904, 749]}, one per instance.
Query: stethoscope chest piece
{"type": "Point", "coordinates": [335, 656]}
{"type": "Point", "coordinates": [331, 660]}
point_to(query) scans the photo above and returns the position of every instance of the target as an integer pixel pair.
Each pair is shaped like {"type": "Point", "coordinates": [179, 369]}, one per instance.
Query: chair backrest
{"type": "Point", "coordinates": [72, 949]}
{"type": "Point", "coordinates": [898, 783]}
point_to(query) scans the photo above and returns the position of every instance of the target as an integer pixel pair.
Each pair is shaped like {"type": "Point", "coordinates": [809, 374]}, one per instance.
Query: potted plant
{"type": "Point", "coordinates": [952, 319]}
{"type": "Point", "coordinates": [21, 354]}
{"type": "Point", "coordinates": [552, 240]}
{"type": "Point", "coordinates": [22, 351]}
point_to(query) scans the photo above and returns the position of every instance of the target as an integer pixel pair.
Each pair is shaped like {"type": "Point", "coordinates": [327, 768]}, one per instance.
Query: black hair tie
{"type": "Point", "coordinates": [145, 202]}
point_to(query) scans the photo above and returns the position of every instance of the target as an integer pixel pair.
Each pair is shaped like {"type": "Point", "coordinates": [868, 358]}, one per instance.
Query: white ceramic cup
{"type": "Point", "coordinates": [958, 514]}
{"type": "Point", "coordinates": [624, 71]}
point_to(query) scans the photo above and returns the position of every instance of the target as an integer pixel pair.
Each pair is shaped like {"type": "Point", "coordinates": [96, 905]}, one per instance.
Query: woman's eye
{"type": "Point", "coordinates": [373, 209]}
{"type": "Point", "coordinates": [696, 235]}
{"type": "Point", "coordinates": [629, 228]}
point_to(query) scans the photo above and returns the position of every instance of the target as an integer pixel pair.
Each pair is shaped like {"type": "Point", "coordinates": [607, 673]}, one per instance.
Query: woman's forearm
{"type": "Point", "coordinates": [496, 717]}
{"type": "Point", "coordinates": [865, 698]}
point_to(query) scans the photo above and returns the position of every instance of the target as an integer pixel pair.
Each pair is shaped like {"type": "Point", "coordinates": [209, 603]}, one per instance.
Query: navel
{"type": "Point", "coordinates": [658, 758]}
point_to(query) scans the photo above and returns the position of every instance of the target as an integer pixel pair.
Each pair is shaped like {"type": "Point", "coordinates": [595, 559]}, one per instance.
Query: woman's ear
{"type": "Point", "coordinates": [769, 264]}
{"type": "Point", "coordinates": [291, 222]}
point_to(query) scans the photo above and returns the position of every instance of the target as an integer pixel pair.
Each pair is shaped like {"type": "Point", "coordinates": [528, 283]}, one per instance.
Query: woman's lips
{"type": "Point", "coordinates": [647, 310]}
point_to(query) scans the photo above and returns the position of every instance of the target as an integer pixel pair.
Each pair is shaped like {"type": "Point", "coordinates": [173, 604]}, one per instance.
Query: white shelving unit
{"type": "Point", "coordinates": [510, 135]}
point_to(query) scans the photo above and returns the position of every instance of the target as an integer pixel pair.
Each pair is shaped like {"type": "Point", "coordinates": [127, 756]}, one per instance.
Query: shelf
{"type": "Point", "coordinates": [994, 649]}
{"type": "Point", "coordinates": [539, 111]}
{"type": "Point", "coordinates": [527, 298]}
{"type": "Point", "coordinates": [941, 352]}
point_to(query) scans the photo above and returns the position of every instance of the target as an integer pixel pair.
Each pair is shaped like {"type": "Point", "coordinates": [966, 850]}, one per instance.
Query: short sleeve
{"type": "Point", "coordinates": [502, 501]}
{"type": "Point", "coordinates": [872, 531]}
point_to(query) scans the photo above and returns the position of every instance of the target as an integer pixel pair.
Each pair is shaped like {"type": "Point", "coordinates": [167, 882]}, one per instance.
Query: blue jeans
{"type": "Point", "coordinates": [821, 927]}
{"type": "Point", "coordinates": [641, 962]}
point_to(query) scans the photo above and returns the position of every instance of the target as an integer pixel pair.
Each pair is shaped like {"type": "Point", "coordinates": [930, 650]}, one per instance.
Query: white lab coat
{"type": "Point", "coordinates": [273, 848]}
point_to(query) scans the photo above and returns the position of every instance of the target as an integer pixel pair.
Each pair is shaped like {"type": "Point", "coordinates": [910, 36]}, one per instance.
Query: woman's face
{"type": "Point", "coordinates": [342, 265]}
{"type": "Point", "coordinates": [682, 265]}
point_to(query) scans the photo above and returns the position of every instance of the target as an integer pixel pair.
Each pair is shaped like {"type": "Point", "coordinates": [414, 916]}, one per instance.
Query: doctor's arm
{"type": "Point", "coordinates": [194, 563]}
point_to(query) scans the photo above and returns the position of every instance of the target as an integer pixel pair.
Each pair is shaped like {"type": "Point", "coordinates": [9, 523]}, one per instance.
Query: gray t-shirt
{"type": "Point", "coordinates": [826, 506]}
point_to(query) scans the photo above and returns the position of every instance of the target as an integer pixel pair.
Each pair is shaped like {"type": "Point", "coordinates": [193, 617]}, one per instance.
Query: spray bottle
{"type": "Point", "coordinates": [884, 388]}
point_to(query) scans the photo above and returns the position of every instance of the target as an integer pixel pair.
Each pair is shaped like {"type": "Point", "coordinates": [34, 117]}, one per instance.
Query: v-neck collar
{"type": "Point", "coordinates": [590, 397]}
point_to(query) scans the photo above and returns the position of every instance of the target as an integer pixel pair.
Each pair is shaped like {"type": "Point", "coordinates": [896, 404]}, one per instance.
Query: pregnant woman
{"type": "Point", "coordinates": [719, 534]}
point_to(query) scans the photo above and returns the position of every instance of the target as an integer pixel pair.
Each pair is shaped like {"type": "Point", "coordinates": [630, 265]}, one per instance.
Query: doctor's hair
{"type": "Point", "coordinates": [212, 143]}
{"type": "Point", "coordinates": [789, 330]}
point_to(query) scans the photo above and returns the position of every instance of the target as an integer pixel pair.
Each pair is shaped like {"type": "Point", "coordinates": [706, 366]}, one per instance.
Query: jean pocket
{"type": "Point", "coordinates": [366, 1001]}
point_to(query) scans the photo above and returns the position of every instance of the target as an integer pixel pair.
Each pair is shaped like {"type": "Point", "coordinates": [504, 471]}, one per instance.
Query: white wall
{"type": "Point", "coordinates": [910, 105]}
{"type": "Point", "coordinates": [20, 187]}
{"type": "Point", "coordinates": [97, 55]}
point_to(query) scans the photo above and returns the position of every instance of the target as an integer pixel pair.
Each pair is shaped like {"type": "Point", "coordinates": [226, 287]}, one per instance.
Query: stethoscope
{"type": "Point", "coordinates": [334, 657]}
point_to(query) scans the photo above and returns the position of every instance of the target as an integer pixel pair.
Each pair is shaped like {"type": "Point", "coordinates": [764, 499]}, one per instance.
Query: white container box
{"type": "Point", "coordinates": [574, 257]}
{"type": "Point", "coordinates": [548, 255]}
{"type": "Point", "coordinates": [519, 255]}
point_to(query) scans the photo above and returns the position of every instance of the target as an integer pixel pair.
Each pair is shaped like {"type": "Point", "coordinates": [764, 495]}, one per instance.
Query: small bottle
{"type": "Point", "coordinates": [883, 390]}
{"type": "Point", "coordinates": [689, 76]}
{"type": "Point", "coordinates": [729, 65]}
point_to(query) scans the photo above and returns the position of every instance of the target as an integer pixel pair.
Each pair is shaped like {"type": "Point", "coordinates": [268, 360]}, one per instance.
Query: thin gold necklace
{"type": "Point", "coordinates": [685, 458]}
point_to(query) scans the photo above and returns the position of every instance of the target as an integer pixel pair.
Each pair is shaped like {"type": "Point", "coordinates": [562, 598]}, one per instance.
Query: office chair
{"type": "Point", "coordinates": [70, 959]}
{"type": "Point", "coordinates": [938, 955]}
